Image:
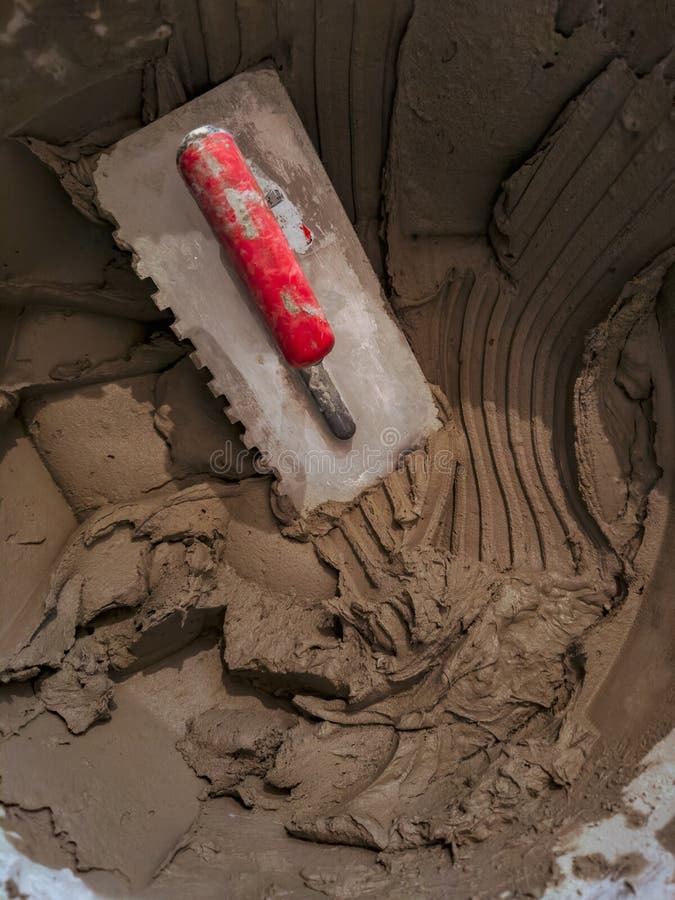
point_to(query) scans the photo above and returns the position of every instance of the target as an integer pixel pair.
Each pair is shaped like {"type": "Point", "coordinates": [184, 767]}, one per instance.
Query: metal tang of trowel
{"type": "Point", "coordinates": [240, 217]}
{"type": "Point", "coordinates": [267, 279]}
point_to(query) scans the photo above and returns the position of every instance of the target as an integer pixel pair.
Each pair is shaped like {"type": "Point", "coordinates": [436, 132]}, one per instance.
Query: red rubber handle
{"type": "Point", "coordinates": [235, 207]}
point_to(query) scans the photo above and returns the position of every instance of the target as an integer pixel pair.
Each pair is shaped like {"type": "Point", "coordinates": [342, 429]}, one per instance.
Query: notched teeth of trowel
{"type": "Point", "coordinates": [231, 410]}
{"type": "Point", "coordinates": [158, 300]}
{"type": "Point", "coordinates": [247, 440]}
{"type": "Point", "coordinates": [197, 360]}
{"type": "Point", "coordinates": [178, 330]}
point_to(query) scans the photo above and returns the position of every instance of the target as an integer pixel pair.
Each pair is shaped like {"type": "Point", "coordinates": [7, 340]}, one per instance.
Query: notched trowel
{"type": "Point", "coordinates": [241, 218]}
{"type": "Point", "coordinates": [293, 293]}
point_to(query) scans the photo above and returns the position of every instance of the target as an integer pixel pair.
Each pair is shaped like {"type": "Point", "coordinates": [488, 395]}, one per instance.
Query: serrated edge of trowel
{"type": "Point", "coordinates": [249, 438]}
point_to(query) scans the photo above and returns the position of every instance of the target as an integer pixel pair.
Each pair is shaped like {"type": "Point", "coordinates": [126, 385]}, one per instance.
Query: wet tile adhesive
{"type": "Point", "coordinates": [359, 675]}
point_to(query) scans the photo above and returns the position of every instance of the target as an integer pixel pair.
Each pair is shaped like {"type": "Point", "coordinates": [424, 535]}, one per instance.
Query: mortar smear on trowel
{"type": "Point", "coordinates": [371, 363]}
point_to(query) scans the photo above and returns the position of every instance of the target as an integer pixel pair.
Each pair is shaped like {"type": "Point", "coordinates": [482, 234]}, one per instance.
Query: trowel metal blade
{"type": "Point", "coordinates": [371, 365]}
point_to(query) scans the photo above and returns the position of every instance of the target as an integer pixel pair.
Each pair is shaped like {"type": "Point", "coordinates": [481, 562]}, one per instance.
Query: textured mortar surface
{"type": "Point", "coordinates": [436, 685]}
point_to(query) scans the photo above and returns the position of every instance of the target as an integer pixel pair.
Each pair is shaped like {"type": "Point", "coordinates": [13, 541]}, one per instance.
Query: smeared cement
{"type": "Point", "coordinates": [431, 685]}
